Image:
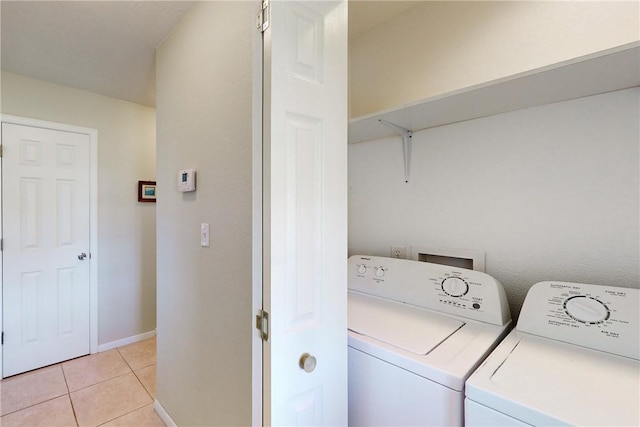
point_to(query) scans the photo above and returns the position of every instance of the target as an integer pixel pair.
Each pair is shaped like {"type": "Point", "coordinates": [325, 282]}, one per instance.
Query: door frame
{"type": "Point", "coordinates": [256, 219]}
{"type": "Point", "coordinates": [93, 218]}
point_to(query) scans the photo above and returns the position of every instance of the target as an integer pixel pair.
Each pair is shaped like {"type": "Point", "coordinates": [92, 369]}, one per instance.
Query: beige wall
{"type": "Point", "coordinates": [204, 116]}
{"type": "Point", "coordinates": [126, 228]}
{"type": "Point", "coordinates": [440, 46]}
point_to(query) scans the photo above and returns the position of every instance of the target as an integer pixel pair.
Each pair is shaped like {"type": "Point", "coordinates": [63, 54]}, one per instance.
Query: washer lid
{"type": "Point", "coordinates": [410, 328]}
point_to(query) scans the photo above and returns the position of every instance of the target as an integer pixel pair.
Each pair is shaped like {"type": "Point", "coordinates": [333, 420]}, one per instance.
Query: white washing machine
{"type": "Point", "coordinates": [572, 360]}
{"type": "Point", "coordinates": [416, 332]}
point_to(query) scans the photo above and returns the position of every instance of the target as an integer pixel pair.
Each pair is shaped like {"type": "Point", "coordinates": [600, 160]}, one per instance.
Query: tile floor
{"type": "Point", "coordinates": [113, 388]}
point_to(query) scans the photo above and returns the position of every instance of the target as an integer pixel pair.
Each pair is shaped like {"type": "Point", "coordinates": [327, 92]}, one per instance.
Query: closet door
{"type": "Point", "coordinates": [305, 213]}
{"type": "Point", "coordinates": [46, 262]}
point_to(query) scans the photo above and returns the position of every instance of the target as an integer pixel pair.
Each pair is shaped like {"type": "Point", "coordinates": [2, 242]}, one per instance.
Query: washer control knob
{"type": "Point", "coordinates": [362, 269]}
{"type": "Point", "coordinates": [379, 272]}
{"type": "Point", "coordinates": [586, 309]}
{"type": "Point", "coordinates": [455, 286]}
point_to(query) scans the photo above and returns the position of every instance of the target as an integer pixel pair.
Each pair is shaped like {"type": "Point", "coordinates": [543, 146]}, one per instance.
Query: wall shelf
{"type": "Point", "coordinates": [609, 70]}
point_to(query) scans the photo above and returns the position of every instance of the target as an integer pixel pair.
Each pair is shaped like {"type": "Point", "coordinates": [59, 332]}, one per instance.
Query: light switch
{"type": "Point", "coordinates": [204, 234]}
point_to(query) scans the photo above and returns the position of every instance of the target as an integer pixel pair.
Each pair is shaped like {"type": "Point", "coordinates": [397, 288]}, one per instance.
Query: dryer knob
{"type": "Point", "coordinates": [362, 269]}
{"type": "Point", "coordinates": [379, 272]}
{"type": "Point", "coordinates": [586, 309]}
{"type": "Point", "coordinates": [455, 286]}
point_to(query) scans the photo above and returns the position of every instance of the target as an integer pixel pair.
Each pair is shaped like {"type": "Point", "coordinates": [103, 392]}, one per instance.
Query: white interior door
{"type": "Point", "coordinates": [305, 213]}
{"type": "Point", "coordinates": [46, 259]}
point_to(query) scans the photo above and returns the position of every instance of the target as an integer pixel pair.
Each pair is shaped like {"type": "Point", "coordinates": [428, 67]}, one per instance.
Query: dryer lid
{"type": "Point", "coordinates": [546, 382]}
{"type": "Point", "coordinates": [404, 326]}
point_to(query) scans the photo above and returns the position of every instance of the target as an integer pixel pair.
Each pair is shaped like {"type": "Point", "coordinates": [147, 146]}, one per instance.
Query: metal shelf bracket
{"type": "Point", "coordinates": [407, 136]}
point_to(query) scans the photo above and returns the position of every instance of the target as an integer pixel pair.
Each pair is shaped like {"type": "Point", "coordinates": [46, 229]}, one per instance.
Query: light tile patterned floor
{"type": "Point", "coordinates": [113, 388]}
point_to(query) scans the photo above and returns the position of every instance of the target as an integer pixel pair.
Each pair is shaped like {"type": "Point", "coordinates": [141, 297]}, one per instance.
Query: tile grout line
{"type": "Point", "coordinates": [110, 379]}
{"type": "Point", "coordinates": [137, 379]}
{"type": "Point", "coordinates": [134, 371]}
{"type": "Point", "coordinates": [102, 381]}
{"type": "Point", "coordinates": [73, 408]}
{"type": "Point", "coordinates": [46, 400]}
{"type": "Point", "coordinates": [141, 383]}
{"type": "Point", "coordinates": [131, 371]}
{"type": "Point", "coordinates": [124, 415]}
{"type": "Point", "coordinates": [35, 404]}
{"type": "Point", "coordinates": [124, 358]}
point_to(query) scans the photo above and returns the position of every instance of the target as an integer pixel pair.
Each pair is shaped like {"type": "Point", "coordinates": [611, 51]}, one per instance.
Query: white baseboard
{"type": "Point", "coordinates": [164, 416]}
{"type": "Point", "coordinates": [125, 341]}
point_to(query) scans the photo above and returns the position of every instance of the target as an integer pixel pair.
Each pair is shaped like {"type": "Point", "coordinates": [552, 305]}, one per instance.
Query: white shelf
{"type": "Point", "coordinates": [612, 69]}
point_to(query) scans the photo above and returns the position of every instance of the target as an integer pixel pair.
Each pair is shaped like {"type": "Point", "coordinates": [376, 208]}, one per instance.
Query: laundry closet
{"type": "Point", "coordinates": [501, 137]}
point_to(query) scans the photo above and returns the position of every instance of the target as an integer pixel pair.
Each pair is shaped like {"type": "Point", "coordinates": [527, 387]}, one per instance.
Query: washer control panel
{"type": "Point", "coordinates": [467, 293]}
{"type": "Point", "coordinates": [604, 318]}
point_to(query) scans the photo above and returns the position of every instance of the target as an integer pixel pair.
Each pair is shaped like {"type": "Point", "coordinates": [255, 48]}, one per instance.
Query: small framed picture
{"type": "Point", "coordinates": [147, 191]}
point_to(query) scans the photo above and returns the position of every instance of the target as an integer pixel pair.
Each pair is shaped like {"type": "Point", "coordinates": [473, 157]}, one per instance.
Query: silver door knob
{"type": "Point", "coordinates": [307, 362]}
{"type": "Point", "coordinates": [82, 256]}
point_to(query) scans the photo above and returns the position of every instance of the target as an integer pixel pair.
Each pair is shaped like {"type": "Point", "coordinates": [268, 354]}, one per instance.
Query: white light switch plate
{"type": "Point", "coordinates": [204, 234]}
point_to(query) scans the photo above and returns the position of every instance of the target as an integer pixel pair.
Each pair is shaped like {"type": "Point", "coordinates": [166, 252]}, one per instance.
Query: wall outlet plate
{"type": "Point", "coordinates": [399, 252]}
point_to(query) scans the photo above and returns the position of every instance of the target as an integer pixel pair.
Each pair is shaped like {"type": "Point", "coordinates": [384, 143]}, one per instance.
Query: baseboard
{"type": "Point", "coordinates": [164, 416]}
{"type": "Point", "coordinates": [125, 341]}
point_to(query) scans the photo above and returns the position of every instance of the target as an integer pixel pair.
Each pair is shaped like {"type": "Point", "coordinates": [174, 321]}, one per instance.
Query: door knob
{"type": "Point", "coordinates": [82, 256]}
{"type": "Point", "coordinates": [307, 362]}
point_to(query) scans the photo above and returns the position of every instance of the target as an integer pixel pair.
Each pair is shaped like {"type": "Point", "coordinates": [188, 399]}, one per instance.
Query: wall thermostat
{"type": "Point", "coordinates": [187, 180]}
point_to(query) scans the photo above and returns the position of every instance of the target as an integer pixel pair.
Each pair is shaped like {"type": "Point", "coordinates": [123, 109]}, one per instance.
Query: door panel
{"type": "Point", "coordinates": [305, 212]}
{"type": "Point", "coordinates": [303, 221]}
{"type": "Point", "coordinates": [46, 288]}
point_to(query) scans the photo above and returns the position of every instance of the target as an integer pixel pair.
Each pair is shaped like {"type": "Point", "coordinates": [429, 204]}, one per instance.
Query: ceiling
{"type": "Point", "coordinates": [108, 47]}
{"type": "Point", "coordinates": [105, 47]}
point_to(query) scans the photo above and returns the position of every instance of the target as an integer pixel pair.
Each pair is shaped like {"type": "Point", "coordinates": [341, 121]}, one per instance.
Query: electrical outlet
{"type": "Point", "coordinates": [399, 252]}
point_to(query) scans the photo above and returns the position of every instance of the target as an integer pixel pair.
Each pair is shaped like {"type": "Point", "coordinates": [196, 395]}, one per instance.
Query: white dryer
{"type": "Point", "coordinates": [416, 332]}
{"type": "Point", "coordinates": [573, 359]}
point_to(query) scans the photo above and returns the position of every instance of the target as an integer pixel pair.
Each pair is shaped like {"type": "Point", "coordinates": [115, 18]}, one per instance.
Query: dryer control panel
{"type": "Point", "coordinates": [604, 318]}
{"type": "Point", "coordinates": [458, 291]}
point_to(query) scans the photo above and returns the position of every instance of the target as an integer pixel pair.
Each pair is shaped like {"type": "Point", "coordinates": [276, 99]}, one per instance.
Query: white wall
{"type": "Point", "coordinates": [441, 46]}
{"type": "Point", "coordinates": [126, 228]}
{"type": "Point", "coordinates": [204, 117]}
{"type": "Point", "coordinates": [550, 193]}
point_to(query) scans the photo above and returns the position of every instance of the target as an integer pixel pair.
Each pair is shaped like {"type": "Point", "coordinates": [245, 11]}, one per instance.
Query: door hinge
{"type": "Point", "coordinates": [2, 340]}
{"type": "Point", "coordinates": [263, 17]}
{"type": "Point", "coordinates": [1, 148]}
{"type": "Point", "coordinates": [1, 244]}
{"type": "Point", "coordinates": [262, 324]}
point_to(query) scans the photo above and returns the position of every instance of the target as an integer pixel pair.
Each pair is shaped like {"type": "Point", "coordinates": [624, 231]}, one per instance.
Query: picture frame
{"type": "Point", "coordinates": [147, 191]}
